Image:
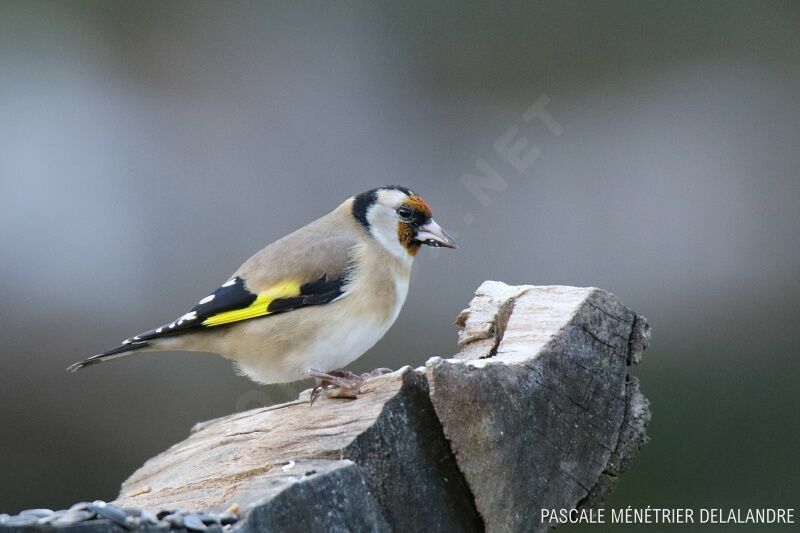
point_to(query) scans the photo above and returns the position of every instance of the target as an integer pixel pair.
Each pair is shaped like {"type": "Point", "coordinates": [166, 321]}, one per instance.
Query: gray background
{"type": "Point", "coordinates": [147, 148]}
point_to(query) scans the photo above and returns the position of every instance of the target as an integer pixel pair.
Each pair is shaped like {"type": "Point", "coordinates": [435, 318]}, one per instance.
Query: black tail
{"type": "Point", "coordinates": [120, 351]}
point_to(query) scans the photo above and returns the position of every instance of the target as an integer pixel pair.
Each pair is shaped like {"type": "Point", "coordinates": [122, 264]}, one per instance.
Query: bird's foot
{"type": "Point", "coordinates": [341, 383]}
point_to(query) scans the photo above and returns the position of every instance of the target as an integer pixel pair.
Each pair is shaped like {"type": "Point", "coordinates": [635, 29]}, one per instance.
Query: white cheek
{"type": "Point", "coordinates": [391, 243]}
{"type": "Point", "coordinates": [383, 226]}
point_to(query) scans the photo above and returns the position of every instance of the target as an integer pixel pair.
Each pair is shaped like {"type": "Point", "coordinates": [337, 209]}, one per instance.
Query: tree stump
{"type": "Point", "coordinates": [536, 411]}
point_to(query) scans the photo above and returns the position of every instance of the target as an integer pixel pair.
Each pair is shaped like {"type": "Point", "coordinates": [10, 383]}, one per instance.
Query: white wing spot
{"type": "Point", "coordinates": [207, 299]}
{"type": "Point", "coordinates": [230, 282]}
{"type": "Point", "coordinates": [191, 315]}
{"type": "Point", "coordinates": [159, 330]}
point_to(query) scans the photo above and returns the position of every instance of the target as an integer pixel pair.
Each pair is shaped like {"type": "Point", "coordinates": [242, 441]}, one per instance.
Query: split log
{"type": "Point", "coordinates": [536, 411]}
{"type": "Point", "coordinates": [538, 406]}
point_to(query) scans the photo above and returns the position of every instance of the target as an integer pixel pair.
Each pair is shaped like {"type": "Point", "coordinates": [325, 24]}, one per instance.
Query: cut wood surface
{"type": "Point", "coordinates": [537, 410]}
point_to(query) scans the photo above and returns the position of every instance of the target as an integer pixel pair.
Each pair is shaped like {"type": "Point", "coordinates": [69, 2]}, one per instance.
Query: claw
{"type": "Point", "coordinates": [344, 384]}
{"type": "Point", "coordinates": [315, 392]}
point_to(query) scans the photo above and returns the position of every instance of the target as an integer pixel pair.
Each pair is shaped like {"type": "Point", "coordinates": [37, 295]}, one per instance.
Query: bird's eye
{"type": "Point", "coordinates": [404, 212]}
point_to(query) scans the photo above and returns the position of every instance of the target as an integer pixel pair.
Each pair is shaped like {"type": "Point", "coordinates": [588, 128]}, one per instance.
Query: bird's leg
{"type": "Point", "coordinates": [348, 384]}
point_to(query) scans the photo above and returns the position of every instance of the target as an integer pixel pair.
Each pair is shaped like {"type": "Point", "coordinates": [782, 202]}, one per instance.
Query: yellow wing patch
{"type": "Point", "coordinates": [259, 307]}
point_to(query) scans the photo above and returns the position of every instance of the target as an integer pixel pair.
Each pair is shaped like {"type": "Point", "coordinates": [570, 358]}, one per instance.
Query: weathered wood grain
{"type": "Point", "coordinates": [404, 465]}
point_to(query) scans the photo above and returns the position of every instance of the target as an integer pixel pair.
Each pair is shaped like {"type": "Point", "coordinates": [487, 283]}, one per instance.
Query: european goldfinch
{"type": "Point", "coordinates": [311, 302]}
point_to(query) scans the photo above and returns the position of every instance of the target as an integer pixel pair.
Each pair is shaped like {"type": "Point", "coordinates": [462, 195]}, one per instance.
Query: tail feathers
{"type": "Point", "coordinates": [120, 351]}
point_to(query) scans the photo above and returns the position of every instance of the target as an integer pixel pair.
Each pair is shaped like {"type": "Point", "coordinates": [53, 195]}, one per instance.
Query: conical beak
{"type": "Point", "coordinates": [432, 234]}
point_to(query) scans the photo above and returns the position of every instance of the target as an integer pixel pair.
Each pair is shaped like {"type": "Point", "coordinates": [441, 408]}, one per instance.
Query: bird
{"type": "Point", "coordinates": [312, 302]}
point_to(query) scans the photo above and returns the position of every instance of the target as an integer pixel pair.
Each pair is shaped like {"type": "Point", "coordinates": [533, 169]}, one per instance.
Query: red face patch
{"type": "Point", "coordinates": [407, 230]}
{"type": "Point", "coordinates": [419, 205]}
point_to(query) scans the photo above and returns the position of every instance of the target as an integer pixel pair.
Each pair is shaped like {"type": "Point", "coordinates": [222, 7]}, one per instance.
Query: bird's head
{"type": "Point", "coordinates": [400, 220]}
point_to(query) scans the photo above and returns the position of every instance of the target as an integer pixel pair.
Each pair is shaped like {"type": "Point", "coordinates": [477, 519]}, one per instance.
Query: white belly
{"type": "Point", "coordinates": [330, 348]}
{"type": "Point", "coordinates": [339, 347]}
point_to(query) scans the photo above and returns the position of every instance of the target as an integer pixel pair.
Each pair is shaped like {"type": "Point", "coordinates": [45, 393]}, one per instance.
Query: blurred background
{"type": "Point", "coordinates": [148, 148]}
